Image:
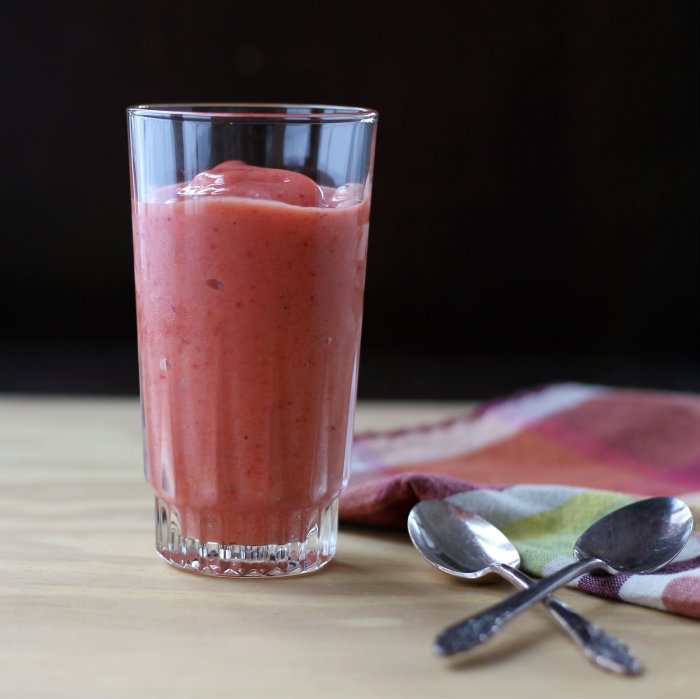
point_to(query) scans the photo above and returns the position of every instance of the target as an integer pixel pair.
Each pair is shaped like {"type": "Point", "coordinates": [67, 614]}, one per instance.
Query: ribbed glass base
{"type": "Point", "coordinates": [246, 561]}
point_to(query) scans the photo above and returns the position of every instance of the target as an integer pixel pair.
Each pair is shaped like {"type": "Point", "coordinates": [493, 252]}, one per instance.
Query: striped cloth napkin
{"type": "Point", "coordinates": [542, 466]}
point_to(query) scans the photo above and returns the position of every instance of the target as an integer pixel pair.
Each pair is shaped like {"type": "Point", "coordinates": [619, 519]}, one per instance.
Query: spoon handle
{"type": "Point", "coordinates": [476, 629]}
{"type": "Point", "coordinates": [599, 647]}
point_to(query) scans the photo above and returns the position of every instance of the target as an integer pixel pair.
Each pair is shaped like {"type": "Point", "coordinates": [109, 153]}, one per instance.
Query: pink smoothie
{"type": "Point", "coordinates": [249, 286]}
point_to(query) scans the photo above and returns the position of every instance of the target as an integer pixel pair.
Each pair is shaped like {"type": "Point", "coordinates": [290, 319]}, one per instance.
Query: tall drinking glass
{"type": "Point", "coordinates": [250, 226]}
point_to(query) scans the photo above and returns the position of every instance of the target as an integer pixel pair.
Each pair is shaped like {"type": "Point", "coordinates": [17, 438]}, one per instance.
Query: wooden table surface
{"type": "Point", "coordinates": [87, 609]}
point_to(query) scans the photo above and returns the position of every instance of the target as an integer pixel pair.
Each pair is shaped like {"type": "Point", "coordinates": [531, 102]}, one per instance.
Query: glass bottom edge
{"type": "Point", "coordinates": [246, 561]}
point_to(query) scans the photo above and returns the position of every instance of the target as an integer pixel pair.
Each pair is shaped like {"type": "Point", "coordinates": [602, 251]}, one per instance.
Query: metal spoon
{"type": "Point", "coordinates": [639, 538]}
{"type": "Point", "coordinates": [463, 544]}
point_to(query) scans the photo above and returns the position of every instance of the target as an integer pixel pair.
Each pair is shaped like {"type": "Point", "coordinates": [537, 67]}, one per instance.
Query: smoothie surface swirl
{"type": "Point", "coordinates": [238, 179]}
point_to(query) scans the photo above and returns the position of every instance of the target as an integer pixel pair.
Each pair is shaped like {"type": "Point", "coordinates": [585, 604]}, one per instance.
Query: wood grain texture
{"type": "Point", "coordinates": [88, 610]}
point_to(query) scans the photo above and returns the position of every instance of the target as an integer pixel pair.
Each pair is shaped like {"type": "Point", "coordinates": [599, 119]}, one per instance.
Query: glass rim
{"type": "Point", "coordinates": [259, 111]}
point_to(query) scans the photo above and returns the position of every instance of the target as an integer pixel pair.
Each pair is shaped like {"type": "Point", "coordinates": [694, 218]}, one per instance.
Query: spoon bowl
{"type": "Point", "coordinates": [639, 538]}
{"type": "Point", "coordinates": [460, 542]}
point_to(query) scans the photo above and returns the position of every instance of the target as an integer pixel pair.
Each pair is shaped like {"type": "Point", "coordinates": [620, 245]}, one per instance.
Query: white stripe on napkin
{"type": "Point", "coordinates": [466, 435]}
{"type": "Point", "coordinates": [501, 507]}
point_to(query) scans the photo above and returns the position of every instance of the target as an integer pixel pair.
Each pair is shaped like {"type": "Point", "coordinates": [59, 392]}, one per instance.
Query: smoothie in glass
{"type": "Point", "coordinates": [249, 288]}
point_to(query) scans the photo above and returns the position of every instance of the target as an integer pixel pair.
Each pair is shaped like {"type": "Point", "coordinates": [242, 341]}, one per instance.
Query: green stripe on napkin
{"type": "Point", "coordinates": [546, 535]}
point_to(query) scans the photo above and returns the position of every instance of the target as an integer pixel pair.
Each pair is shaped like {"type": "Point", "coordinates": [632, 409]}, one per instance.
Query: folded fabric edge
{"type": "Point", "coordinates": [386, 502]}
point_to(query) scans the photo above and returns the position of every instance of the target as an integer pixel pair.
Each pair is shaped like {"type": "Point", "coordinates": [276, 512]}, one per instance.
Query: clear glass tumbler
{"type": "Point", "coordinates": [250, 226]}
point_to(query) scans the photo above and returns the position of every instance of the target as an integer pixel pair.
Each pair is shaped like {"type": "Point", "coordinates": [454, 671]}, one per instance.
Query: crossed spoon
{"type": "Point", "coordinates": [638, 538]}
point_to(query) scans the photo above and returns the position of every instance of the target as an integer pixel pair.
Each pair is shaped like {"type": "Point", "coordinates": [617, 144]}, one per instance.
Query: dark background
{"type": "Point", "coordinates": [535, 212]}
